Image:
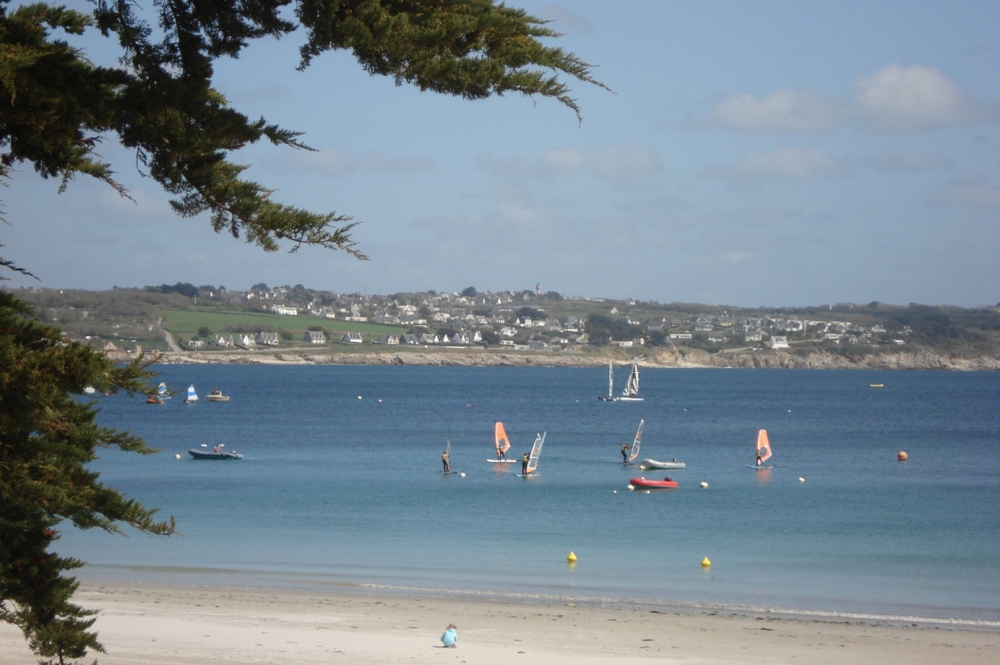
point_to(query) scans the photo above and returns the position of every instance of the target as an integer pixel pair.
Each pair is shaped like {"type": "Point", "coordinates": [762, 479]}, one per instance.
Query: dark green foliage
{"type": "Point", "coordinates": [47, 437]}
{"type": "Point", "coordinates": [602, 329]}
{"type": "Point", "coordinates": [161, 102]}
{"type": "Point", "coordinates": [529, 313]}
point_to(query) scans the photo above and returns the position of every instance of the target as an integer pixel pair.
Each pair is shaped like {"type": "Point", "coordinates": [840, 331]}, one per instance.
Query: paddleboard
{"type": "Point", "coordinates": [502, 461]}
{"type": "Point", "coordinates": [447, 473]}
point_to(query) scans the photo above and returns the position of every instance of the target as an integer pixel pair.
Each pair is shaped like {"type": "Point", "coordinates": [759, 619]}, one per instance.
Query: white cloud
{"type": "Point", "coordinates": [908, 161]}
{"type": "Point", "coordinates": [784, 163]}
{"type": "Point", "coordinates": [894, 98]}
{"type": "Point", "coordinates": [907, 98]}
{"type": "Point", "coordinates": [974, 190]}
{"type": "Point", "coordinates": [338, 162]}
{"type": "Point", "coordinates": [617, 163]}
{"type": "Point", "coordinates": [783, 111]}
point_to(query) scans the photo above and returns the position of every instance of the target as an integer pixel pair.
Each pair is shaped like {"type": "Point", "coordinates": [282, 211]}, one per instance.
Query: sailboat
{"type": "Point", "coordinates": [536, 452]}
{"type": "Point", "coordinates": [192, 396]}
{"type": "Point", "coordinates": [763, 451]}
{"type": "Point", "coordinates": [162, 392]}
{"type": "Point", "coordinates": [633, 450]}
{"type": "Point", "coordinates": [631, 391]}
{"type": "Point", "coordinates": [502, 445]}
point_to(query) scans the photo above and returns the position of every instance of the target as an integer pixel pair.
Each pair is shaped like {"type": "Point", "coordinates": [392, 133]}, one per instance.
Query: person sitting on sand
{"type": "Point", "coordinates": [450, 637]}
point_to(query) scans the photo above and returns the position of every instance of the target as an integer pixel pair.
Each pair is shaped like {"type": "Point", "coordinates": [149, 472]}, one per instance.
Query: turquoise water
{"type": "Point", "coordinates": [340, 486]}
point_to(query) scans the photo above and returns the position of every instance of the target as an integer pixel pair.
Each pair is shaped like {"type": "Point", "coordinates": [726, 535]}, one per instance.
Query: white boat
{"type": "Point", "coordinates": [502, 444]}
{"type": "Point", "coordinates": [192, 396]}
{"type": "Point", "coordinates": [89, 390]}
{"type": "Point", "coordinates": [631, 391]}
{"type": "Point", "coordinates": [217, 396]}
{"type": "Point", "coordinates": [633, 450]}
{"type": "Point", "coordinates": [162, 391]}
{"type": "Point", "coordinates": [536, 452]}
{"type": "Point", "coordinates": [763, 451]}
{"type": "Point", "coordinates": [649, 463]}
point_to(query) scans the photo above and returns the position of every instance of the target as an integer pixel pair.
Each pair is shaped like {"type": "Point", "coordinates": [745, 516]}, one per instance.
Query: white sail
{"type": "Point", "coordinates": [634, 450]}
{"type": "Point", "coordinates": [611, 381]}
{"type": "Point", "coordinates": [536, 452]}
{"type": "Point", "coordinates": [632, 387]}
{"type": "Point", "coordinates": [162, 392]}
{"type": "Point", "coordinates": [192, 396]}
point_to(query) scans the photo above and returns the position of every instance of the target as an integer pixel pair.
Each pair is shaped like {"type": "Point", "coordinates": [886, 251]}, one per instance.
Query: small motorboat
{"type": "Point", "coordinates": [217, 396]}
{"type": "Point", "coordinates": [153, 399]}
{"type": "Point", "coordinates": [648, 464]}
{"type": "Point", "coordinates": [649, 483]}
{"type": "Point", "coordinates": [215, 453]}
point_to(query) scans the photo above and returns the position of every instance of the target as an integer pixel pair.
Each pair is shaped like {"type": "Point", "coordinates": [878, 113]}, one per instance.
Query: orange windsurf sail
{"type": "Point", "coordinates": [500, 438]}
{"type": "Point", "coordinates": [763, 446]}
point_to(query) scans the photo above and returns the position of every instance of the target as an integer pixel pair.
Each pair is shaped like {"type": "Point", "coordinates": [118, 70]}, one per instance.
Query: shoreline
{"type": "Point", "coordinates": [658, 358]}
{"type": "Point", "coordinates": [188, 624]}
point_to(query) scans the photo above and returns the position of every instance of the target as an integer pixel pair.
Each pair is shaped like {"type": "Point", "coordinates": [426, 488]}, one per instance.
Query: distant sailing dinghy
{"type": "Point", "coordinates": [631, 391]}
{"type": "Point", "coordinates": [162, 391]}
{"type": "Point", "coordinates": [192, 396]}
{"type": "Point", "coordinates": [536, 452]}
{"type": "Point", "coordinates": [763, 451]}
{"type": "Point", "coordinates": [501, 444]}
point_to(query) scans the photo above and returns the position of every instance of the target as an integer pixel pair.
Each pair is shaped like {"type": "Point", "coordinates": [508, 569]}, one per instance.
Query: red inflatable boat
{"type": "Point", "coordinates": [649, 483]}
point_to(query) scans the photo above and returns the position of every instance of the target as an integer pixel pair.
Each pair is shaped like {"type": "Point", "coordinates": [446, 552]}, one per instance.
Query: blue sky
{"type": "Point", "coordinates": [753, 154]}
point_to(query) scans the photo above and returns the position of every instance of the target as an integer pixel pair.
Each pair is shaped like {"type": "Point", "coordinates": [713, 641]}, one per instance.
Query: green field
{"type": "Point", "coordinates": [185, 323]}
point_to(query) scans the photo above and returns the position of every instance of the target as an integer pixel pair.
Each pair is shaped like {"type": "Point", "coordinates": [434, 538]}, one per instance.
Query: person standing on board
{"type": "Point", "coordinates": [524, 464]}
{"type": "Point", "coordinates": [501, 455]}
{"type": "Point", "coordinates": [445, 462]}
{"type": "Point", "coordinates": [625, 454]}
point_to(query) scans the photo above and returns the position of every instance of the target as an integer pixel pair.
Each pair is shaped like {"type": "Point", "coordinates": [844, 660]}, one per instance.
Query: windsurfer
{"type": "Point", "coordinates": [501, 455]}
{"type": "Point", "coordinates": [524, 464]}
{"type": "Point", "coordinates": [625, 454]}
{"type": "Point", "coordinates": [759, 460]}
{"type": "Point", "coordinates": [445, 462]}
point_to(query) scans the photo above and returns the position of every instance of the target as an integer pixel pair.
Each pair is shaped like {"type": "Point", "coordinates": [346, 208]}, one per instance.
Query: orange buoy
{"type": "Point", "coordinates": [901, 456]}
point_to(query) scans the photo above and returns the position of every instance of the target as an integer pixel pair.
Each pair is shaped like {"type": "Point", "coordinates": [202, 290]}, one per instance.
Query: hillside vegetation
{"type": "Point", "coordinates": [206, 320]}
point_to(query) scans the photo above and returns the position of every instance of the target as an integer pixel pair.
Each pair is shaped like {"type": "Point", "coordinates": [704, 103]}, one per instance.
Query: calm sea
{"type": "Point", "coordinates": [340, 486]}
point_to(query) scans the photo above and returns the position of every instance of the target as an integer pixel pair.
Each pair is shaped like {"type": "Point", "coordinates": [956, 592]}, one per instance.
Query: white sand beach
{"type": "Point", "coordinates": [213, 626]}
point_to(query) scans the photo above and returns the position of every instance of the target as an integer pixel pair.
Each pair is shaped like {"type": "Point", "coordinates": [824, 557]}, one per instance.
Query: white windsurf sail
{"type": "Point", "coordinates": [536, 452]}
{"type": "Point", "coordinates": [633, 452]}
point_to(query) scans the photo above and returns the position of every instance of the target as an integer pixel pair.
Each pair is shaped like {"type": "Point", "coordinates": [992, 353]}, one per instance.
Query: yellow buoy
{"type": "Point", "coordinates": [705, 563]}
{"type": "Point", "coordinates": [571, 557]}
{"type": "Point", "coordinates": [901, 455]}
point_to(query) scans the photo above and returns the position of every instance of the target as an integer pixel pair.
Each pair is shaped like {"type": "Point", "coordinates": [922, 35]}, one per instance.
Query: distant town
{"type": "Point", "coordinates": [183, 317]}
